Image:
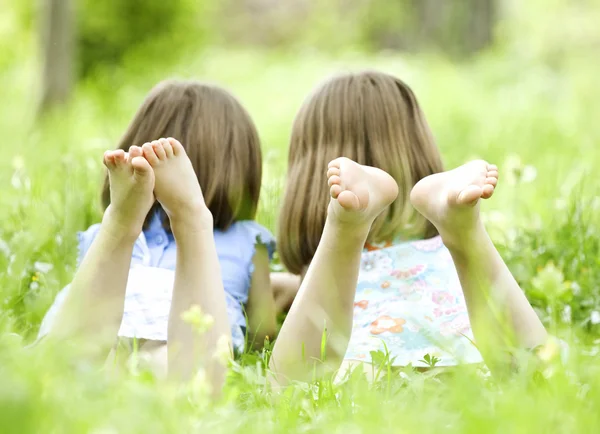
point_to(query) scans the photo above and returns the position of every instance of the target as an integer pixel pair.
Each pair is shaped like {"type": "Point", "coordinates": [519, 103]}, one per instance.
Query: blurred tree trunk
{"type": "Point", "coordinates": [430, 15]}
{"type": "Point", "coordinates": [455, 26]}
{"type": "Point", "coordinates": [57, 48]}
{"type": "Point", "coordinates": [480, 29]}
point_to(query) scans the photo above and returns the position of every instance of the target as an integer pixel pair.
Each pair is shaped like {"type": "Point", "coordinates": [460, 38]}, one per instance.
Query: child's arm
{"type": "Point", "coordinates": [285, 287]}
{"type": "Point", "coordinates": [261, 309]}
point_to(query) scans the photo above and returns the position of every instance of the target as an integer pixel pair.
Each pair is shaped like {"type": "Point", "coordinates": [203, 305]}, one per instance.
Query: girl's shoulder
{"type": "Point", "coordinates": [87, 237]}
{"type": "Point", "coordinates": [248, 233]}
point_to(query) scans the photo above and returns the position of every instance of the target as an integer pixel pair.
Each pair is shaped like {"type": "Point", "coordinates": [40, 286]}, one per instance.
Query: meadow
{"type": "Point", "coordinates": [537, 122]}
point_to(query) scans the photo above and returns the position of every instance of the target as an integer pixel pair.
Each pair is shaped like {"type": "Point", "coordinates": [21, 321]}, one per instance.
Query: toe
{"type": "Point", "coordinates": [120, 157]}
{"type": "Point", "coordinates": [335, 191]}
{"type": "Point", "coordinates": [334, 180]}
{"type": "Point", "coordinates": [149, 154]}
{"type": "Point", "coordinates": [348, 200]}
{"type": "Point", "coordinates": [177, 147]}
{"type": "Point", "coordinates": [135, 151]}
{"type": "Point", "coordinates": [159, 150]}
{"type": "Point", "coordinates": [492, 174]}
{"type": "Point", "coordinates": [469, 195]}
{"type": "Point", "coordinates": [109, 159]}
{"type": "Point", "coordinates": [333, 171]}
{"type": "Point", "coordinates": [491, 181]}
{"type": "Point", "coordinates": [335, 163]}
{"type": "Point", "coordinates": [167, 147]}
{"type": "Point", "coordinates": [492, 167]}
{"type": "Point", "coordinates": [488, 191]}
{"type": "Point", "coordinates": [141, 167]}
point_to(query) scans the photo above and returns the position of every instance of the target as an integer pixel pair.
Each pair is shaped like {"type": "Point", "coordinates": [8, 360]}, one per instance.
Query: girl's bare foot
{"type": "Point", "coordinates": [358, 193]}
{"type": "Point", "coordinates": [450, 200]}
{"type": "Point", "coordinates": [131, 185]}
{"type": "Point", "coordinates": [176, 186]}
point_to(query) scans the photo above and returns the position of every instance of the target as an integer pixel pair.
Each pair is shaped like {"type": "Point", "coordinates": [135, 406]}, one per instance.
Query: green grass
{"type": "Point", "coordinates": [538, 123]}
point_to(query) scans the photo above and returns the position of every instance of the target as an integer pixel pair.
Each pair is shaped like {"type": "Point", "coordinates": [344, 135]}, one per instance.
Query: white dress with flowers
{"type": "Point", "coordinates": [409, 299]}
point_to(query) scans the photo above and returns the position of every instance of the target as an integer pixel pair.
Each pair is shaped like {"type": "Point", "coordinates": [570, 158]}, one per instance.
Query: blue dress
{"type": "Point", "coordinates": [150, 283]}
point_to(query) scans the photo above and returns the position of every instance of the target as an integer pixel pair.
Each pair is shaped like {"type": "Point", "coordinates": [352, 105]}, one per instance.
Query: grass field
{"type": "Point", "coordinates": [538, 123]}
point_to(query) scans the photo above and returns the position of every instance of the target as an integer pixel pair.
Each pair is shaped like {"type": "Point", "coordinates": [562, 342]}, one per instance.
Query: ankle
{"type": "Point", "coordinates": [120, 226]}
{"type": "Point", "coordinates": [193, 219]}
{"type": "Point", "coordinates": [350, 234]}
{"type": "Point", "coordinates": [464, 241]}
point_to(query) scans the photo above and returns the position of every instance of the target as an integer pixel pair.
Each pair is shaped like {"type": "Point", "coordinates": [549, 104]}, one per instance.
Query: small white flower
{"type": "Point", "coordinates": [34, 285]}
{"type": "Point", "coordinates": [595, 317]}
{"type": "Point", "coordinates": [566, 314]}
{"type": "Point", "coordinates": [18, 162]}
{"type": "Point", "coordinates": [518, 172]}
{"type": "Point", "coordinates": [15, 181]}
{"type": "Point", "coordinates": [528, 174]}
{"type": "Point", "coordinates": [512, 168]}
{"type": "Point", "coordinates": [277, 267]}
{"type": "Point", "coordinates": [4, 249]}
{"type": "Point", "coordinates": [43, 267]}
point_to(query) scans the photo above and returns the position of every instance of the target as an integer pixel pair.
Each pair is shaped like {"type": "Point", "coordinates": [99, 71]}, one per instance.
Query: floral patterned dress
{"type": "Point", "coordinates": [409, 300]}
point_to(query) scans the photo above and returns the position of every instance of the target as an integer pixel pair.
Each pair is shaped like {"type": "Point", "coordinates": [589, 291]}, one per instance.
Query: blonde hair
{"type": "Point", "coordinates": [219, 138]}
{"type": "Point", "coordinates": [374, 119]}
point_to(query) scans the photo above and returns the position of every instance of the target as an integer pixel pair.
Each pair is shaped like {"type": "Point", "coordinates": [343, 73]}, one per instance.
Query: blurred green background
{"type": "Point", "coordinates": [514, 82]}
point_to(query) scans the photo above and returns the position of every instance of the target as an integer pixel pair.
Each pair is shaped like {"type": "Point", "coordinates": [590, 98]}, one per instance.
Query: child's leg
{"type": "Point", "coordinates": [500, 314]}
{"type": "Point", "coordinates": [94, 305]}
{"type": "Point", "coordinates": [197, 275]}
{"type": "Point", "coordinates": [326, 296]}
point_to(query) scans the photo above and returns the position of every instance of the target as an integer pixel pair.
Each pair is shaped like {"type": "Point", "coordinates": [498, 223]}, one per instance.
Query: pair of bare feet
{"type": "Point", "coordinates": [161, 169]}
{"type": "Point", "coordinates": [450, 200]}
{"type": "Point", "coordinates": [158, 170]}
{"type": "Point", "coordinates": [359, 194]}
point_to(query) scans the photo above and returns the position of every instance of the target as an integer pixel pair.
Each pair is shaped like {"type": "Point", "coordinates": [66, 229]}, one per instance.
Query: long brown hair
{"type": "Point", "coordinates": [374, 119]}
{"type": "Point", "coordinates": [219, 138]}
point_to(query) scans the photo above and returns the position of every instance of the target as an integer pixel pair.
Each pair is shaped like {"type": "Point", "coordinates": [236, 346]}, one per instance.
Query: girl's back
{"type": "Point", "coordinates": [409, 300]}
{"type": "Point", "coordinates": [150, 283]}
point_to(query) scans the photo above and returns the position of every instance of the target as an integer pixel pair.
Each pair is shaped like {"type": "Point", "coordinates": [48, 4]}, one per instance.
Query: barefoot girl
{"type": "Point", "coordinates": [207, 189]}
{"type": "Point", "coordinates": [388, 275]}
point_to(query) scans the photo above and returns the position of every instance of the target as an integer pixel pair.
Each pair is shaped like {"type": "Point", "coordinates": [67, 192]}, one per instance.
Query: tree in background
{"type": "Point", "coordinates": [455, 27]}
{"type": "Point", "coordinates": [58, 46]}
{"type": "Point", "coordinates": [106, 33]}
{"type": "Point", "coordinates": [458, 26]}
{"type": "Point", "coordinates": [109, 31]}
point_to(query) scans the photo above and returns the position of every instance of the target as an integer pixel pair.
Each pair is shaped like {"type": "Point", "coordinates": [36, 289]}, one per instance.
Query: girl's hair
{"type": "Point", "coordinates": [374, 119]}
{"type": "Point", "coordinates": [219, 138]}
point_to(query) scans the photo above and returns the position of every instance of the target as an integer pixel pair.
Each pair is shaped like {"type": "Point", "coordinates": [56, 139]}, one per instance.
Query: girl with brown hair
{"type": "Point", "coordinates": [177, 231]}
{"type": "Point", "coordinates": [411, 277]}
